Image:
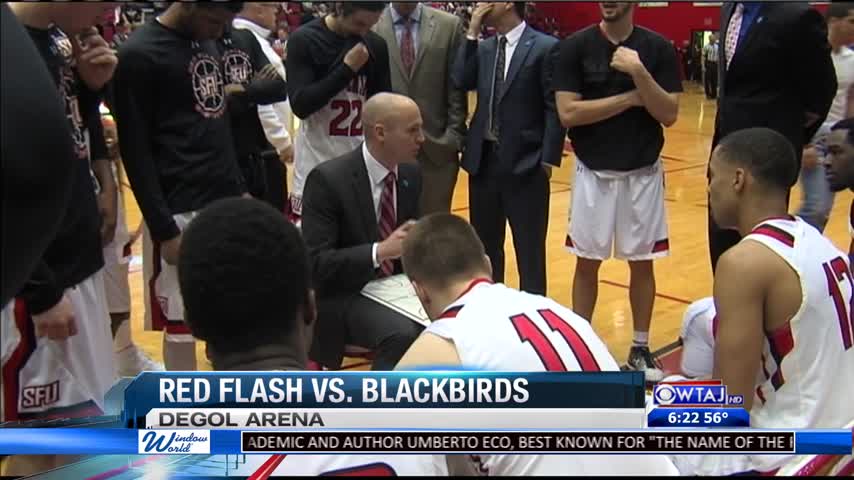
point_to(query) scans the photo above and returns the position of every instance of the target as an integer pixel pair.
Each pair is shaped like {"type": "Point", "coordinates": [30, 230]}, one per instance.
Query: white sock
{"type": "Point", "coordinates": [640, 339]}
{"type": "Point", "coordinates": [122, 339]}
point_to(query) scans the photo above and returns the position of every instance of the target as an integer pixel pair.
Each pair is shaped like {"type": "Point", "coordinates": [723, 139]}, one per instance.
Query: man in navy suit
{"type": "Point", "coordinates": [514, 138]}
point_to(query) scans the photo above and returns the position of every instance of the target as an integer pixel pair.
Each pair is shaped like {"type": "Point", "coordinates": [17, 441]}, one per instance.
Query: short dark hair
{"type": "Point", "coordinates": [839, 9]}
{"type": "Point", "coordinates": [349, 8]}
{"type": "Point", "coordinates": [847, 124]}
{"type": "Point", "coordinates": [442, 248]}
{"type": "Point", "coordinates": [243, 272]}
{"type": "Point", "coordinates": [765, 153]}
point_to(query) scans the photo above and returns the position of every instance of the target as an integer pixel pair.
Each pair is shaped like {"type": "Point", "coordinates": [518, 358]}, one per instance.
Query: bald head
{"type": "Point", "coordinates": [392, 125]}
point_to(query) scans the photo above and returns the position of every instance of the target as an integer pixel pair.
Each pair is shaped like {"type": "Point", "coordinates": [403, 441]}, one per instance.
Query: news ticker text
{"type": "Point", "coordinates": [120, 441]}
{"type": "Point", "coordinates": [518, 442]}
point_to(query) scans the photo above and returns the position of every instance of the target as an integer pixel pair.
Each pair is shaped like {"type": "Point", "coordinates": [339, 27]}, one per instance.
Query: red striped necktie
{"type": "Point", "coordinates": [388, 218]}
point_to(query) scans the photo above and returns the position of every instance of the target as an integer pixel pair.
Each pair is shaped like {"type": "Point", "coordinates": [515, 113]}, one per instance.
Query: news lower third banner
{"type": "Point", "coordinates": [422, 399]}
{"type": "Point", "coordinates": [224, 442]}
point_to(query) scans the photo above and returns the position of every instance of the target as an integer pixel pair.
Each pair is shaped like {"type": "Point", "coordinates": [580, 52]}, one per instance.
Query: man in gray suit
{"type": "Point", "coordinates": [423, 43]}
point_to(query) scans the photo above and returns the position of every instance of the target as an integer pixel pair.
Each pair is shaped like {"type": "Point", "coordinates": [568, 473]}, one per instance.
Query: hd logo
{"type": "Point", "coordinates": [680, 394]}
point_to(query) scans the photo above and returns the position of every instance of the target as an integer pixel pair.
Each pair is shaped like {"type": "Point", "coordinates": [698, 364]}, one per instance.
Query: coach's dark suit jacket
{"type": "Point", "coordinates": [781, 70]}
{"type": "Point", "coordinates": [530, 130]}
{"type": "Point", "coordinates": [339, 225]}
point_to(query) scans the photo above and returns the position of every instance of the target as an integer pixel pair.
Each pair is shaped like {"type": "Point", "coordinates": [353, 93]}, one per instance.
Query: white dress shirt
{"type": "Point", "coordinates": [377, 174]}
{"type": "Point", "coordinates": [275, 118]}
{"type": "Point", "coordinates": [513, 37]}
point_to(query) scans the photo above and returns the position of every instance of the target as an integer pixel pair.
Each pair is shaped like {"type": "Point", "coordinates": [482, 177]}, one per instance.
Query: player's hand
{"type": "Point", "coordinates": [96, 61]}
{"type": "Point", "coordinates": [233, 89]}
{"type": "Point", "coordinates": [169, 250]}
{"type": "Point", "coordinates": [810, 158]}
{"type": "Point", "coordinates": [287, 155]}
{"type": "Point", "coordinates": [627, 61]}
{"type": "Point", "coordinates": [267, 73]}
{"type": "Point", "coordinates": [477, 16]}
{"type": "Point", "coordinates": [392, 247]}
{"type": "Point", "coordinates": [57, 323]}
{"type": "Point", "coordinates": [357, 57]}
{"type": "Point", "coordinates": [109, 217]}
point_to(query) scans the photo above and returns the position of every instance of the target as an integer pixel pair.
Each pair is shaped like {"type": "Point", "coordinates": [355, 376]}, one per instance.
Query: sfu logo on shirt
{"type": "Point", "coordinates": [36, 396]}
{"type": "Point", "coordinates": [237, 66]}
{"type": "Point", "coordinates": [208, 88]}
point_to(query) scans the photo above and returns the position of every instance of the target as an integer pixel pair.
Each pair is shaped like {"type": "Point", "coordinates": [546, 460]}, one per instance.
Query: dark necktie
{"type": "Point", "coordinates": [388, 219]}
{"type": "Point", "coordinates": [498, 85]}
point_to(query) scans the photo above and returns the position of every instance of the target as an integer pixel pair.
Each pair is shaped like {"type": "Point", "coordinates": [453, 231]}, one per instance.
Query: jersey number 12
{"type": "Point", "coordinates": [531, 333]}
{"type": "Point", "coordinates": [837, 272]}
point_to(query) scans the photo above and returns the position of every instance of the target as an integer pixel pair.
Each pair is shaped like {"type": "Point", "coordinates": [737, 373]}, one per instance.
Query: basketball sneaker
{"type": "Point", "coordinates": [641, 360]}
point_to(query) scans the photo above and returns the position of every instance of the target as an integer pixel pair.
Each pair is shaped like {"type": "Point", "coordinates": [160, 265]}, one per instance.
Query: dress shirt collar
{"type": "Point", "coordinates": [376, 170]}
{"type": "Point", "coordinates": [398, 18]}
{"type": "Point", "coordinates": [513, 36]}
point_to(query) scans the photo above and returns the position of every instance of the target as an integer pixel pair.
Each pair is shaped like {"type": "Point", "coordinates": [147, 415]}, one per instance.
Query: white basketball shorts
{"type": "Point", "coordinates": [619, 211]}
{"type": "Point", "coordinates": [164, 307]}
{"type": "Point", "coordinates": [47, 379]}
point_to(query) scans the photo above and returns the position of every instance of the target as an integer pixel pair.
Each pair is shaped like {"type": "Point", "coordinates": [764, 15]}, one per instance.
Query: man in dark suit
{"type": "Point", "coordinates": [775, 71]}
{"type": "Point", "coordinates": [514, 138]}
{"type": "Point", "coordinates": [357, 210]}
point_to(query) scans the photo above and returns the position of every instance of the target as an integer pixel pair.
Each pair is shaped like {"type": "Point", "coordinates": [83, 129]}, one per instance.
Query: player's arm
{"type": "Point", "coordinates": [381, 80]}
{"type": "Point", "coordinates": [740, 290]}
{"type": "Point", "coordinates": [572, 110]}
{"type": "Point", "coordinates": [334, 269]}
{"type": "Point", "coordinates": [262, 90]}
{"type": "Point", "coordinates": [108, 199]}
{"type": "Point", "coordinates": [656, 89]}
{"type": "Point", "coordinates": [429, 350]}
{"type": "Point", "coordinates": [135, 97]}
{"type": "Point", "coordinates": [308, 93]}
{"type": "Point", "coordinates": [552, 152]}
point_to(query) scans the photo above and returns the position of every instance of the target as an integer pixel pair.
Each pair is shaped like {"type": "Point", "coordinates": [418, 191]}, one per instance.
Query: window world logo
{"type": "Point", "coordinates": [693, 394]}
{"type": "Point", "coordinates": [175, 442]}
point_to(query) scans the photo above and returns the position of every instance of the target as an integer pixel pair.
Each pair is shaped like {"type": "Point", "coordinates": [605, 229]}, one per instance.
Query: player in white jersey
{"type": "Point", "coordinates": [334, 65]}
{"type": "Point", "coordinates": [263, 280]}
{"type": "Point", "coordinates": [478, 324]}
{"type": "Point", "coordinates": [783, 333]}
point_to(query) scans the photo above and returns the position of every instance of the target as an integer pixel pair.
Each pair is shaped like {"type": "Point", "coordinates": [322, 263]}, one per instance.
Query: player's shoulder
{"type": "Point", "coordinates": [747, 262]}
{"type": "Point", "coordinates": [582, 36]}
{"type": "Point", "coordinates": [307, 31]}
{"type": "Point", "coordinates": [651, 36]}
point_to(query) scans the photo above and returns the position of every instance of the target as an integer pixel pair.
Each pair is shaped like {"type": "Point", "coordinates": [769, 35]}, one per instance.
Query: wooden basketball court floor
{"type": "Point", "coordinates": [682, 278]}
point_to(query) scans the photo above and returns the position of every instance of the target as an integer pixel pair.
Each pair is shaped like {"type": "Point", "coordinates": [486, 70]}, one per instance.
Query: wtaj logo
{"type": "Point", "coordinates": [680, 394]}
{"type": "Point", "coordinates": [175, 442]}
